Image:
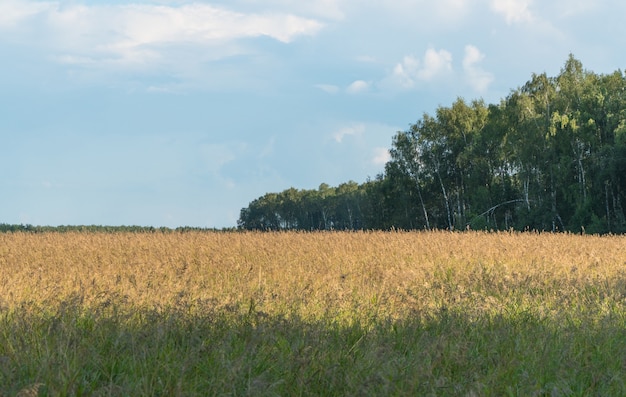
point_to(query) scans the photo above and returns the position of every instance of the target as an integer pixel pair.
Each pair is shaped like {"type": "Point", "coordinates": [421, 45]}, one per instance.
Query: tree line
{"type": "Point", "coordinates": [28, 228]}
{"type": "Point", "coordinates": [551, 156]}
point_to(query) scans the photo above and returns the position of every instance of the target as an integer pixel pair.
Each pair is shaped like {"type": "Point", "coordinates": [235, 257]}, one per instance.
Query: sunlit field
{"type": "Point", "coordinates": [276, 314]}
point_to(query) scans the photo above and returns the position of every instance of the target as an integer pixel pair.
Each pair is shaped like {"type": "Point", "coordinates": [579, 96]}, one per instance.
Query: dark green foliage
{"type": "Point", "coordinates": [551, 156]}
{"type": "Point", "coordinates": [326, 208]}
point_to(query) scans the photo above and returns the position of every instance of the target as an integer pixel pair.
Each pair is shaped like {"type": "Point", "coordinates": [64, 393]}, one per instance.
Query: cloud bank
{"type": "Point", "coordinates": [133, 34]}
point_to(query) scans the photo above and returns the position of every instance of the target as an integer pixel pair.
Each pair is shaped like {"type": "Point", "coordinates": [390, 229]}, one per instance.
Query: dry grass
{"type": "Point", "coordinates": [358, 284]}
{"type": "Point", "coordinates": [311, 274]}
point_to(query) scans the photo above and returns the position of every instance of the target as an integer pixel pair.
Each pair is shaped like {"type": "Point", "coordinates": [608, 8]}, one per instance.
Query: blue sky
{"type": "Point", "coordinates": [176, 112]}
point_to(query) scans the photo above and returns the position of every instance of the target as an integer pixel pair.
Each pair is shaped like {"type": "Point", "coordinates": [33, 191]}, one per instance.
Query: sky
{"type": "Point", "coordinates": [179, 113]}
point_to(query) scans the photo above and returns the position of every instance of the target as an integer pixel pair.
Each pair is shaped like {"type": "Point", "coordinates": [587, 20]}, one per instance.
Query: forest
{"type": "Point", "coordinates": [551, 156]}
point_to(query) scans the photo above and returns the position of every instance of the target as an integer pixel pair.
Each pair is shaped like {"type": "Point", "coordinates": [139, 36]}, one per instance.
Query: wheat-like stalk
{"type": "Point", "coordinates": [30, 391]}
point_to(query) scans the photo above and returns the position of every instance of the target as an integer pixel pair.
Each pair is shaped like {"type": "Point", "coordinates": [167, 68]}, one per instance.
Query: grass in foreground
{"type": "Point", "coordinates": [312, 314]}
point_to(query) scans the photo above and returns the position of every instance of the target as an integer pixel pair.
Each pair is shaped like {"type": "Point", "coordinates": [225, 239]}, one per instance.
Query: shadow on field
{"type": "Point", "coordinates": [118, 350]}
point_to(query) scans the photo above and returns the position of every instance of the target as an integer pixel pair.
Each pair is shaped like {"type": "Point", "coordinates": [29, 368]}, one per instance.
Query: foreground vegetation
{"type": "Point", "coordinates": [361, 313]}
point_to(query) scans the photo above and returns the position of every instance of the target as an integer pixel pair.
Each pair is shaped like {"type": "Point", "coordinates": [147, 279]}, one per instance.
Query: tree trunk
{"type": "Point", "coordinates": [419, 193]}
{"type": "Point", "coordinates": [445, 196]}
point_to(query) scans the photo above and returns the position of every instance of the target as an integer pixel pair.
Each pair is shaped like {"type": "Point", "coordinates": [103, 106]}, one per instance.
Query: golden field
{"type": "Point", "coordinates": [312, 274]}
{"type": "Point", "coordinates": [336, 313]}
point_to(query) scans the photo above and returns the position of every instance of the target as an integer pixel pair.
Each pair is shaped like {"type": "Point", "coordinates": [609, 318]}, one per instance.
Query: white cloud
{"type": "Point", "coordinates": [352, 130]}
{"type": "Point", "coordinates": [14, 12]}
{"type": "Point", "coordinates": [514, 11]}
{"type": "Point", "coordinates": [138, 33]}
{"type": "Point", "coordinates": [478, 78]}
{"type": "Point", "coordinates": [358, 87]}
{"type": "Point", "coordinates": [435, 63]}
{"type": "Point", "coordinates": [411, 70]}
{"type": "Point", "coordinates": [405, 72]}
{"type": "Point", "coordinates": [381, 156]}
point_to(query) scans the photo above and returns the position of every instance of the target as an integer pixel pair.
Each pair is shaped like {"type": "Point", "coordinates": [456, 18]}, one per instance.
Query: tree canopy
{"type": "Point", "coordinates": [550, 156]}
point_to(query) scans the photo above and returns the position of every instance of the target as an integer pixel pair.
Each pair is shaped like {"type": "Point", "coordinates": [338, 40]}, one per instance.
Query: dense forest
{"type": "Point", "coordinates": [551, 156]}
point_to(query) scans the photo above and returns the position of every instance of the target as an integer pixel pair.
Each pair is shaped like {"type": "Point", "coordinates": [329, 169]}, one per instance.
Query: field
{"type": "Point", "coordinates": [276, 314]}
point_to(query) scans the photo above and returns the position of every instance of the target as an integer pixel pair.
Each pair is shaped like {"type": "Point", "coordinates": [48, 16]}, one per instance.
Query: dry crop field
{"type": "Point", "coordinates": [364, 313]}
